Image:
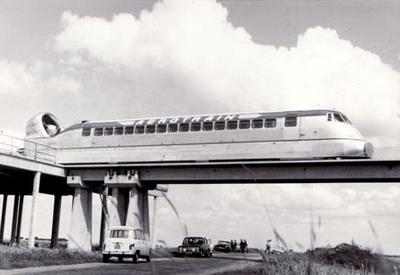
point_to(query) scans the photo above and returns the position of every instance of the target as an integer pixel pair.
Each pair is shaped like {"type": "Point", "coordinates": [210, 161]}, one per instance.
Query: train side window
{"type": "Point", "coordinates": [329, 117]}
{"type": "Point", "coordinates": [257, 123]}
{"type": "Point", "coordinates": [161, 128]}
{"type": "Point", "coordinates": [139, 129]}
{"type": "Point", "coordinates": [232, 125]}
{"type": "Point", "coordinates": [183, 127]}
{"type": "Point", "coordinates": [291, 121]}
{"type": "Point", "coordinates": [86, 132]}
{"type": "Point", "coordinates": [207, 126]}
{"type": "Point", "coordinates": [150, 129]}
{"type": "Point", "coordinates": [128, 130]}
{"type": "Point", "coordinates": [98, 132]}
{"type": "Point", "coordinates": [195, 126]}
{"type": "Point", "coordinates": [338, 117]}
{"type": "Point", "coordinates": [244, 124]}
{"type": "Point", "coordinates": [219, 125]}
{"type": "Point", "coordinates": [270, 123]}
{"type": "Point", "coordinates": [118, 130]}
{"type": "Point", "coordinates": [108, 131]}
{"type": "Point", "coordinates": [173, 128]}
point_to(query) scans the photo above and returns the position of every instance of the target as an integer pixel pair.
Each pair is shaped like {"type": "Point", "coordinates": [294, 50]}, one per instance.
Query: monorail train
{"type": "Point", "coordinates": [310, 134]}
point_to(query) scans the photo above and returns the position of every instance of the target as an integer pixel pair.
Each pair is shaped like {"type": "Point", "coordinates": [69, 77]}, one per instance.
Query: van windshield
{"type": "Point", "coordinates": [119, 234]}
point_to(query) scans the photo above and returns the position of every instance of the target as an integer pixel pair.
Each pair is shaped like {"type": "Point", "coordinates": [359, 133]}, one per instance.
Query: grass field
{"type": "Point", "coordinates": [300, 264]}
{"type": "Point", "coordinates": [344, 259]}
{"type": "Point", "coordinates": [18, 257]}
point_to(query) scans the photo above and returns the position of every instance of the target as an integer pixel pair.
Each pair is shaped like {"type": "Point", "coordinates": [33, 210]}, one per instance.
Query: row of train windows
{"type": "Point", "coordinates": [290, 121]}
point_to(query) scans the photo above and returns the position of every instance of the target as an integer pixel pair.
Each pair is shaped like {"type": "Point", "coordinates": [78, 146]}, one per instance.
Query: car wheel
{"type": "Point", "coordinates": [105, 258]}
{"type": "Point", "coordinates": [135, 257]}
{"type": "Point", "coordinates": [120, 259]}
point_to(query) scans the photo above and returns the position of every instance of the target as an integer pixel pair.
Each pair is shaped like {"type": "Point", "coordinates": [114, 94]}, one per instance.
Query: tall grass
{"type": "Point", "coordinates": [18, 257]}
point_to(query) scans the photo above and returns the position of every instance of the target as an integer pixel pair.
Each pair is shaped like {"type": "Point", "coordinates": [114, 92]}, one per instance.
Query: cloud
{"type": "Point", "coordinates": [190, 49]}
{"type": "Point", "coordinates": [19, 78]}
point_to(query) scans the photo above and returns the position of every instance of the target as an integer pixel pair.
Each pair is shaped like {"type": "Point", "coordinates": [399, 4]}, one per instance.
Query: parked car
{"type": "Point", "coordinates": [223, 246]}
{"type": "Point", "coordinates": [277, 250]}
{"type": "Point", "coordinates": [195, 246]}
{"type": "Point", "coordinates": [126, 242]}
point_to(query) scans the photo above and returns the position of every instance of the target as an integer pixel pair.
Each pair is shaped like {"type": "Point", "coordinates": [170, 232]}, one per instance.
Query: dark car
{"type": "Point", "coordinates": [223, 246]}
{"type": "Point", "coordinates": [194, 246]}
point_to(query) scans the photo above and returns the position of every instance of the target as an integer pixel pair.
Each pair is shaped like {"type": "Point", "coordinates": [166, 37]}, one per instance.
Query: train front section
{"type": "Point", "coordinates": [354, 144]}
{"type": "Point", "coordinates": [40, 140]}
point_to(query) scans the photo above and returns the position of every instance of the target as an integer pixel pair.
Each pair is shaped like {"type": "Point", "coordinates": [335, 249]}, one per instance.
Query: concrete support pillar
{"type": "Point", "coordinates": [117, 206]}
{"type": "Point", "coordinates": [3, 217]}
{"type": "Point", "coordinates": [56, 220]}
{"type": "Point", "coordinates": [80, 235]}
{"type": "Point", "coordinates": [153, 223]}
{"type": "Point", "coordinates": [138, 210]}
{"type": "Point", "coordinates": [19, 221]}
{"type": "Point", "coordinates": [104, 216]}
{"type": "Point", "coordinates": [134, 216]}
{"type": "Point", "coordinates": [146, 214]}
{"type": "Point", "coordinates": [14, 220]}
{"type": "Point", "coordinates": [35, 195]}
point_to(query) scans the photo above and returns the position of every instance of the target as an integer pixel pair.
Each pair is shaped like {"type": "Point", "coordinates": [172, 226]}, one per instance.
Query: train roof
{"type": "Point", "coordinates": [198, 118]}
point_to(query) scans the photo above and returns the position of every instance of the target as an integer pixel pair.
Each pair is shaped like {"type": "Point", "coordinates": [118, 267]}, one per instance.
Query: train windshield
{"type": "Point", "coordinates": [341, 118]}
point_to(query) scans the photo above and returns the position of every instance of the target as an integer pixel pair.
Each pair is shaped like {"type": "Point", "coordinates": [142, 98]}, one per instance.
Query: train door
{"type": "Point", "coordinates": [292, 127]}
{"type": "Point", "coordinates": [86, 137]}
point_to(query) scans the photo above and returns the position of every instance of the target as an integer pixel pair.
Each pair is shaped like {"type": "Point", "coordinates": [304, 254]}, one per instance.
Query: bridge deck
{"type": "Point", "coordinates": [288, 171]}
{"type": "Point", "coordinates": [16, 176]}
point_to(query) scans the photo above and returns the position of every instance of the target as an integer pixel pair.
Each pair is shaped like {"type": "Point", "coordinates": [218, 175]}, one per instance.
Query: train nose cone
{"type": "Point", "coordinates": [368, 149]}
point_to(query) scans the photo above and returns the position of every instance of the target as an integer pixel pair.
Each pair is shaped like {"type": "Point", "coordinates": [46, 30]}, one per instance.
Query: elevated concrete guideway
{"type": "Point", "coordinates": [294, 171]}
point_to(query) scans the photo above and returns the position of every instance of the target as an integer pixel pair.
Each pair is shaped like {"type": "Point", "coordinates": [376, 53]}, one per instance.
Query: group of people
{"type": "Point", "coordinates": [242, 245]}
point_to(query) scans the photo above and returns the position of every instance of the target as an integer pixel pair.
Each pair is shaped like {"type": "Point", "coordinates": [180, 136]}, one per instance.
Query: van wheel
{"type": "Point", "coordinates": [148, 259]}
{"type": "Point", "coordinates": [135, 257]}
{"type": "Point", "coordinates": [105, 258]}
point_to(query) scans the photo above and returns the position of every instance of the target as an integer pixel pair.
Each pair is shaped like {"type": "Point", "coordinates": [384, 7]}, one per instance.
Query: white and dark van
{"type": "Point", "coordinates": [126, 242]}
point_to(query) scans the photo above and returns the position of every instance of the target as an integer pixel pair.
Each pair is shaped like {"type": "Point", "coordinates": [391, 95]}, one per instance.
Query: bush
{"type": "Point", "coordinates": [351, 256]}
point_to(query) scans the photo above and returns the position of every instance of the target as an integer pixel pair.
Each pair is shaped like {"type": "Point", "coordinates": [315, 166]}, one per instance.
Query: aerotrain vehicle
{"type": "Point", "coordinates": [310, 134]}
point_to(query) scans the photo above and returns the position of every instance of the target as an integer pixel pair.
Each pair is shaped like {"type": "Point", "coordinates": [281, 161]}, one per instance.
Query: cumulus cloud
{"type": "Point", "coordinates": [190, 48]}
{"type": "Point", "coordinates": [33, 78]}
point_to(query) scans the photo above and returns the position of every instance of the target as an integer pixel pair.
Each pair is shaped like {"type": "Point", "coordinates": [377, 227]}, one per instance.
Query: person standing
{"type": "Point", "coordinates": [245, 246]}
{"type": "Point", "coordinates": [268, 247]}
{"type": "Point", "coordinates": [241, 245]}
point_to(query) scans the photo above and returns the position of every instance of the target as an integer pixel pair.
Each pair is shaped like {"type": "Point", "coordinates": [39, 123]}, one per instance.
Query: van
{"type": "Point", "coordinates": [126, 242]}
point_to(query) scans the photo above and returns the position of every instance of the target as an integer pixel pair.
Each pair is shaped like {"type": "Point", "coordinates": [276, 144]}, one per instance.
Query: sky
{"type": "Point", "coordinates": [123, 59]}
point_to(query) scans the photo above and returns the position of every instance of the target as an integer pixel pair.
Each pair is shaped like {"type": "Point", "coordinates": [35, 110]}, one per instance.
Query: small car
{"type": "Point", "coordinates": [223, 246]}
{"type": "Point", "coordinates": [277, 250]}
{"type": "Point", "coordinates": [126, 242]}
{"type": "Point", "coordinates": [194, 246]}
